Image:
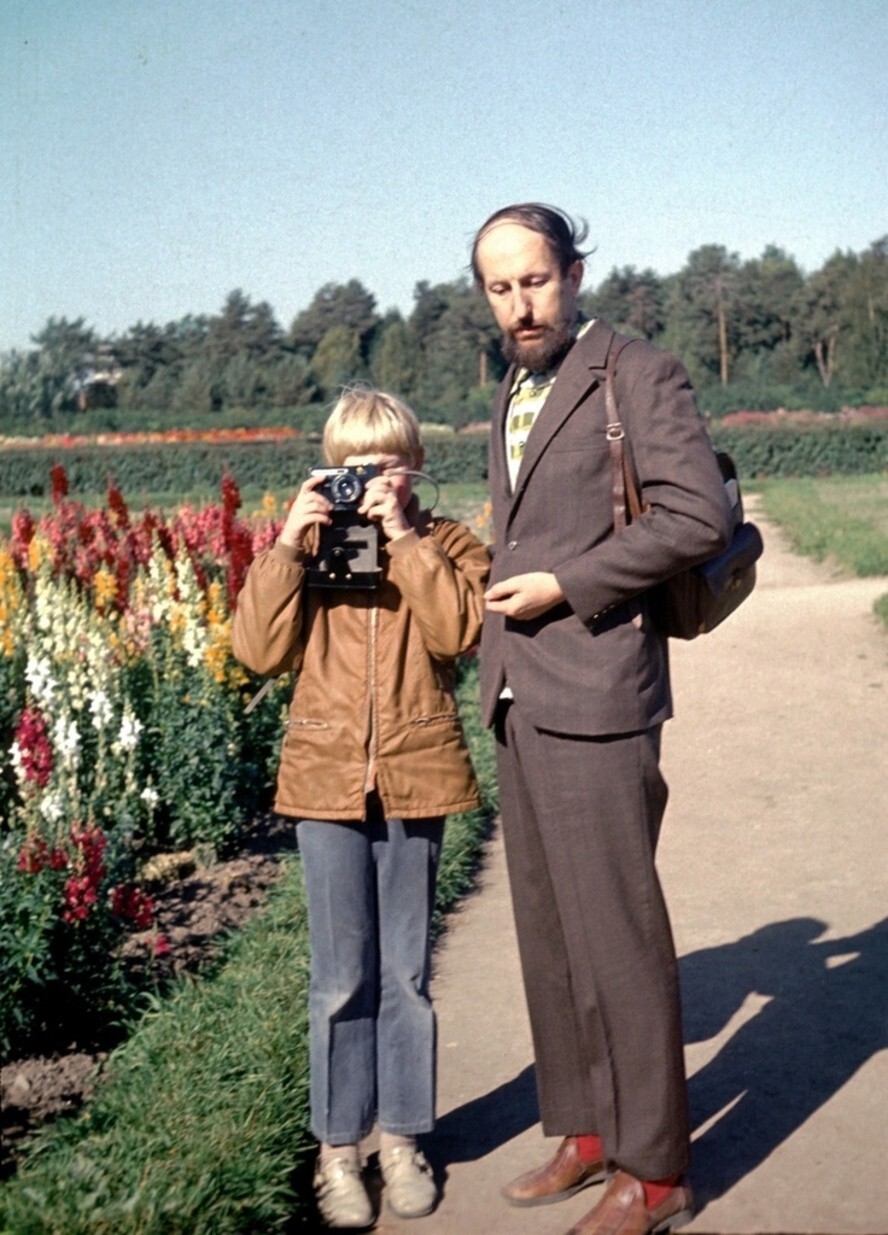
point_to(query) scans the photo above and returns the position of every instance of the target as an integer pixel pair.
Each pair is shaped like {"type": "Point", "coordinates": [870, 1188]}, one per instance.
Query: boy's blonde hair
{"type": "Point", "coordinates": [367, 421]}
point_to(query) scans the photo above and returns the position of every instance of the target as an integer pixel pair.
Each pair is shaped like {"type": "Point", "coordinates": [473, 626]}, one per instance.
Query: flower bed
{"type": "Point", "coordinates": [123, 733]}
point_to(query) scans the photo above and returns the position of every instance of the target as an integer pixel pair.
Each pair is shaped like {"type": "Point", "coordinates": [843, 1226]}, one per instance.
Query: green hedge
{"type": "Point", "coordinates": [189, 467]}
{"type": "Point", "coordinates": [198, 467]}
{"type": "Point", "coordinates": [809, 450]}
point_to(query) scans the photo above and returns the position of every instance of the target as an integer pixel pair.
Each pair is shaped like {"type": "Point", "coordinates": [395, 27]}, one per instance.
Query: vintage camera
{"type": "Point", "coordinates": [348, 553]}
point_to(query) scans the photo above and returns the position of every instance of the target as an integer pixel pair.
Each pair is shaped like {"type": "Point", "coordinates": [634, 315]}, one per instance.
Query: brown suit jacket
{"type": "Point", "coordinates": [595, 665]}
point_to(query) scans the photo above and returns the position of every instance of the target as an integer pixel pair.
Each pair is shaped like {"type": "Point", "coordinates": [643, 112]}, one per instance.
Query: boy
{"type": "Point", "coordinates": [373, 759]}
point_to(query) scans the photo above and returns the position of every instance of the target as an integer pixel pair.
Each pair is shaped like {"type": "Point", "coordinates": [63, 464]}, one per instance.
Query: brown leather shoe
{"type": "Point", "coordinates": [564, 1175]}
{"type": "Point", "coordinates": [622, 1211]}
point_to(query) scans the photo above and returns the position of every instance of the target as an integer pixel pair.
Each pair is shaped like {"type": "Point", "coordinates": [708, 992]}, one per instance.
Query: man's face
{"type": "Point", "coordinates": [534, 304]}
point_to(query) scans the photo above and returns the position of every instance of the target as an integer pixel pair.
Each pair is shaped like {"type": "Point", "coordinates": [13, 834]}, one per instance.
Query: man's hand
{"type": "Point", "coordinates": [525, 596]}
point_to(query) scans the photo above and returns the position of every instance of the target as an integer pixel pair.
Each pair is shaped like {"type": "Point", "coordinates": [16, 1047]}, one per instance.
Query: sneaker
{"type": "Point", "coordinates": [409, 1183]}
{"type": "Point", "coordinates": [341, 1195]}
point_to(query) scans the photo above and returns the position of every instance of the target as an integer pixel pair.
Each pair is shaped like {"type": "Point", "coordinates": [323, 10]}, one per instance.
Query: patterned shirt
{"type": "Point", "coordinates": [526, 399]}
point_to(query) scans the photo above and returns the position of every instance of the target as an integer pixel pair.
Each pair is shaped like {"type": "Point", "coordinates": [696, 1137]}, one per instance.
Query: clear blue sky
{"type": "Point", "coordinates": [156, 154]}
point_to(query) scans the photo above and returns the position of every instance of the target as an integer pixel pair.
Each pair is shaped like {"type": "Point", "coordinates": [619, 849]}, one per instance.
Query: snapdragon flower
{"type": "Point", "coordinates": [39, 676]}
{"type": "Point", "coordinates": [130, 729]}
{"type": "Point", "coordinates": [66, 740]}
{"type": "Point", "coordinates": [100, 707]}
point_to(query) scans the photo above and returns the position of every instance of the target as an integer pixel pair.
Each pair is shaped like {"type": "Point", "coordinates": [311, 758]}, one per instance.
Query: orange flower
{"type": "Point", "coordinates": [105, 588]}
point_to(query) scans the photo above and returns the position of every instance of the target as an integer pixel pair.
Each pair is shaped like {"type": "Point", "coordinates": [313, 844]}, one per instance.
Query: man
{"type": "Point", "coordinates": [576, 681]}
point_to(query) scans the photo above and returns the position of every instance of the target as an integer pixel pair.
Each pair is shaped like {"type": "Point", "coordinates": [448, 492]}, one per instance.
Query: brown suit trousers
{"type": "Point", "coordinates": [600, 974]}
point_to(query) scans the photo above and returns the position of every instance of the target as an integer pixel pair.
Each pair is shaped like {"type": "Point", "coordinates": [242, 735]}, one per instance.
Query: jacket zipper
{"type": "Point", "coordinates": [370, 778]}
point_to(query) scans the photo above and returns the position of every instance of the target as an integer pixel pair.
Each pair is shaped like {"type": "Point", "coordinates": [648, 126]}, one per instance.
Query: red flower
{"type": "Point", "coordinates": [117, 506]}
{"type": "Point", "coordinates": [34, 856]}
{"type": "Point", "coordinates": [32, 740]}
{"type": "Point", "coordinates": [59, 478]}
{"type": "Point", "coordinates": [131, 903]}
{"type": "Point", "coordinates": [92, 843]}
{"type": "Point", "coordinates": [231, 498]}
{"type": "Point", "coordinates": [58, 860]}
{"type": "Point", "coordinates": [80, 896]}
{"type": "Point", "coordinates": [23, 528]}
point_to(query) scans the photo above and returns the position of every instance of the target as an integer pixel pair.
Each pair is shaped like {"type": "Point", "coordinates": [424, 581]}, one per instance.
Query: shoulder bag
{"type": "Point", "coordinates": [698, 599]}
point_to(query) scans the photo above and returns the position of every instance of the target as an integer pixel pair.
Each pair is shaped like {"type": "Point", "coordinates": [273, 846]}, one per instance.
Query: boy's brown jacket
{"type": "Point", "coordinates": [373, 705]}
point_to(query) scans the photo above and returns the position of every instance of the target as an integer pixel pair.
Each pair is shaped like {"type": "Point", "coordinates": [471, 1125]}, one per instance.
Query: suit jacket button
{"type": "Point", "coordinates": [513, 544]}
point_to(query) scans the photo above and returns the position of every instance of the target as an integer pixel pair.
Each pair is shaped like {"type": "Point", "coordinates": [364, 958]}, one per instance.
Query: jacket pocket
{"type": "Point", "coordinates": [306, 722]}
{"type": "Point", "coordinates": [440, 718]}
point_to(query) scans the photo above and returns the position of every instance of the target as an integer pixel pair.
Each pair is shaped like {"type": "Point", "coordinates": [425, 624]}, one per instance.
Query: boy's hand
{"type": "Point", "coordinates": [525, 596]}
{"type": "Point", "coordinates": [380, 504]}
{"type": "Point", "coordinates": [309, 509]}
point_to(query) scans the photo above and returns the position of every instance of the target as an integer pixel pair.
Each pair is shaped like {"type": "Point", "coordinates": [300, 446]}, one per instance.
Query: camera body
{"type": "Point", "coordinates": [348, 552]}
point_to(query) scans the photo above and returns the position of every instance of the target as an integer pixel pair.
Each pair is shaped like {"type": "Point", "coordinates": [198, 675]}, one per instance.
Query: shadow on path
{"type": "Point", "coordinates": [827, 1014]}
{"type": "Point", "coordinates": [477, 1128]}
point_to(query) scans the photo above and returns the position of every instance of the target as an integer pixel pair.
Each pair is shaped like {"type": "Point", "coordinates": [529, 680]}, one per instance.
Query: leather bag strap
{"type": "Point", "coordinates": [624, 481]}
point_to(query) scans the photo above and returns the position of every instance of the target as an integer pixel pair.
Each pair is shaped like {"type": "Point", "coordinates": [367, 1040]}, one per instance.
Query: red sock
{"type": "Point", "coordinates": [656, 1190]}
{"type": "Point", "coordinates": [590, 1149]}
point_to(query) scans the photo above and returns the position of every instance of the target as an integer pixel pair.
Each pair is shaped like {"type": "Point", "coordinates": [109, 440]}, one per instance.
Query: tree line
{"type": "Point", "coordinates": [759, 332]}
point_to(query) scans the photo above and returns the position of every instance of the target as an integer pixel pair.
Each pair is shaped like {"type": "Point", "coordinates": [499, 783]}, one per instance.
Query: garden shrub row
{"type": "Point", "coordinates": [808, 450]}
{"type": "Point", "coordinates": [198, 467]}
{"type": "Point", "coordinates": [805, 450]}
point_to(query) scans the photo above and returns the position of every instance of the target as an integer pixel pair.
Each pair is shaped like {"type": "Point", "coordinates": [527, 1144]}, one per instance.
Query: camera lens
{"type": "Point", "coordinates": [346, 488]}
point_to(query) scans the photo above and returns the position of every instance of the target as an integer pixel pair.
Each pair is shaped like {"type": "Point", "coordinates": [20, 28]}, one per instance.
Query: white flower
{"type": "Point", "coordinates": [38, 673]}
{"type": "Point", "coordinates": [150, 796]}
{"type": "Point", "coordinates": [100, 706]}
{"type": "Point", "coordinates": [66, 740]}
{"type": "Point", "coordinates": [130, 728]}
{"type": "Point", "coordinates": [15, 752]}
{"type": "Point", "coordinates": [51, 807]}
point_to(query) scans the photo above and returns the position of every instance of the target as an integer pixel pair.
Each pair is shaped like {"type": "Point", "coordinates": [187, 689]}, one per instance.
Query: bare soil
{"type": "Point", "coordinates": [196, 913]}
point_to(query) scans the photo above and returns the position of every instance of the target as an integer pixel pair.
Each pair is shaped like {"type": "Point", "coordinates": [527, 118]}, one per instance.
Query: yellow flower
{"type": "Point", "coordinates": [38, 551]}
{"type": "Point", "coordinates": [269, 505]}
{"type": "Point", "coordinates": [12, 599]}
{"type": "Point", "coordinates": [219, 659]}
{"type": "Point", "coordinates": [178, 621]}
{"type": "Point", "coordinates": [217, 610]}
{"type": "Point", "coordinates": [105, 587]}
{"type": "Point", "coordinates": [215, 659]}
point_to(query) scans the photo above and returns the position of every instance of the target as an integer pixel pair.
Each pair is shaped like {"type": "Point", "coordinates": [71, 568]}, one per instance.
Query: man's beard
{"type": "Point", "coordinates": [543, 353]}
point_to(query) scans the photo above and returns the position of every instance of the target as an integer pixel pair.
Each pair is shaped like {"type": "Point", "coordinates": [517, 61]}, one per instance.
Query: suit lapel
{"type": "Point", "coordinates": [499, 471]}
{"type": "Point", "coordinates": [581, 370]}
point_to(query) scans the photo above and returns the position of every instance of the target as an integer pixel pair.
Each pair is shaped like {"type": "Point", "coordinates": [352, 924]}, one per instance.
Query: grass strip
{"type": "Point", "coordinates": [201, 1124]}
{"type": "Point", "coordinates": [839, 518]}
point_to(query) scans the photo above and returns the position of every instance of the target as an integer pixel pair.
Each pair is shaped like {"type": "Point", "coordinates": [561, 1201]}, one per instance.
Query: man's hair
{"type": "Point", "coordinates": [563, 234]}
{"type": "Point", "coordinates": [366, 421]}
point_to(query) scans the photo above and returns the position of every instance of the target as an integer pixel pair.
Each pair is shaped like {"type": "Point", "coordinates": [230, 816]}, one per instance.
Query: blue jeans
{"type": "Point", "coordinates": [371, 890]}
